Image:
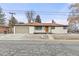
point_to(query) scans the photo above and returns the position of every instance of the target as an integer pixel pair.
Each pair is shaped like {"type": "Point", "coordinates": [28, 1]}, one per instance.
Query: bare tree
{"type": "Point", "coordinates": [30, 16]}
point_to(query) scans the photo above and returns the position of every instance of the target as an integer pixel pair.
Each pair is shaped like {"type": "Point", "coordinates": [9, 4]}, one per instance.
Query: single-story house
{"type": "Point", "coordinates": [40, 28]}
{"type": "Point", "coordinates": [4, 29]}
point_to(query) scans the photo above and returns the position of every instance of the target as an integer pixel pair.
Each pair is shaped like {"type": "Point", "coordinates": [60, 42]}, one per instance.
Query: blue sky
{"type": "Point", "coordinates": [45, 11]}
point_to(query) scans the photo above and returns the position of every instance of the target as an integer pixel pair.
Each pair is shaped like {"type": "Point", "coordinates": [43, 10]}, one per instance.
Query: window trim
{"type": "Point", "coordinates": [38, 27]}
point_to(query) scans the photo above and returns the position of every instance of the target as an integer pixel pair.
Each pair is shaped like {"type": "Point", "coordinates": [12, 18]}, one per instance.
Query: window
{"type": "Point", "coordinates": [65, 27]}
{"type": "Point", "coordinates": [38, 27]}
{"type": "Point", "coordinates": [53, 27]}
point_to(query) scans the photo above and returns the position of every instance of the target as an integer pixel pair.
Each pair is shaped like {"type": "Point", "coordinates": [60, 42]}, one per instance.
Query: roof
{"type": "Point", "coordinates": [41, 24]}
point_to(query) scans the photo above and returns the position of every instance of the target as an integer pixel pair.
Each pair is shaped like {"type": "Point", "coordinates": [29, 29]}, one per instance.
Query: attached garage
{"type": "Point", "coordinates": [21, 29]}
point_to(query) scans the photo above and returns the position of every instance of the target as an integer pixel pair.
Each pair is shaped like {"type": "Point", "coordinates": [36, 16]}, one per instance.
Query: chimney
{"type": "Point", "coordinates": [29, 20]}
{"type": "Point", "coordinates": [53, 21]}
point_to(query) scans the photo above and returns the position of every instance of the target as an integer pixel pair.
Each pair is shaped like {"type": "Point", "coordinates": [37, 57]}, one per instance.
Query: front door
{"type": "Point", "coordinates": [46, 29]}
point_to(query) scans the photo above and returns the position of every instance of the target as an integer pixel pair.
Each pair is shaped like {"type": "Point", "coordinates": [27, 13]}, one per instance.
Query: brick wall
{"type": "Point", "coordinates": [4, 29]}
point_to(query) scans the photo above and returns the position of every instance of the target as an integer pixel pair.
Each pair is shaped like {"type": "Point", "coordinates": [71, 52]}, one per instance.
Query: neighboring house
{"type": "Point", "coordinates": [4, 29]}
{"type": "Point", "coordinates": [40, 28]}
